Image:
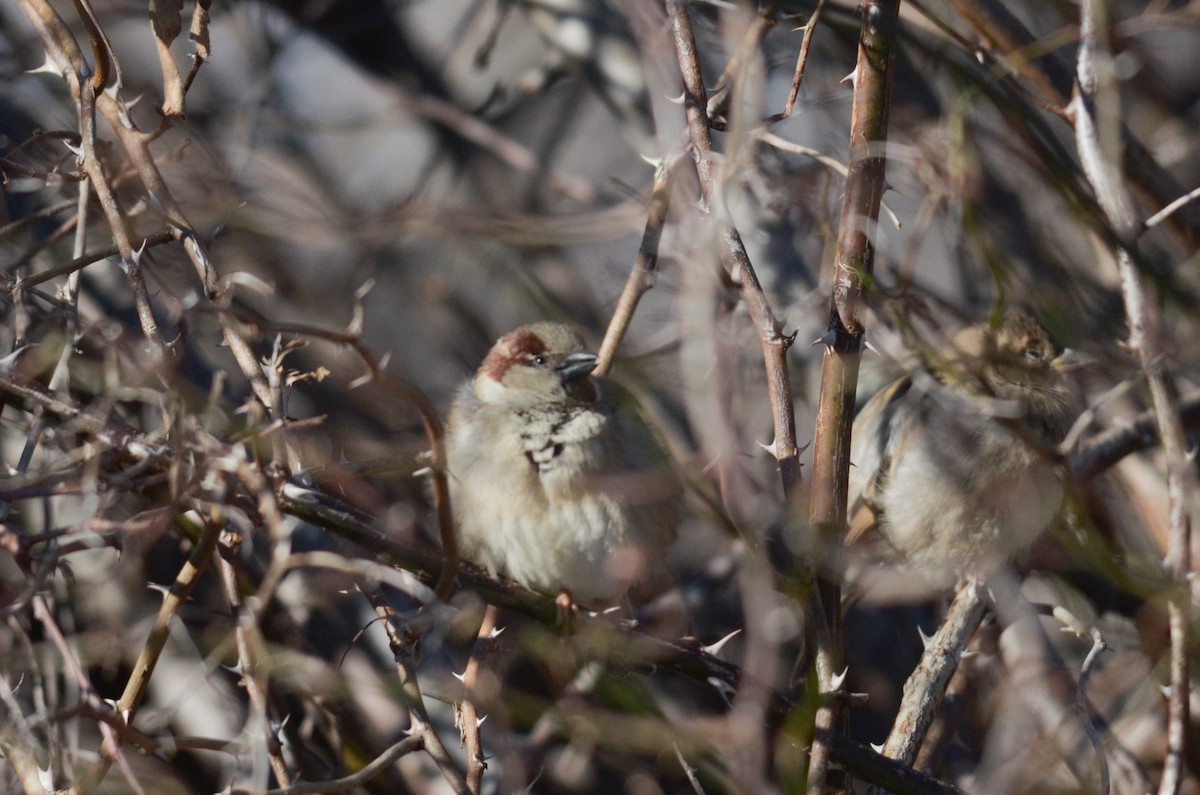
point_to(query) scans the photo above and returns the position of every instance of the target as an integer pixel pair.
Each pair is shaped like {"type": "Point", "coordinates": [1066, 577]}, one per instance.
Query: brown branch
{"type": "Point", "coordinates": [81, 262]}
{"type": "Point", "coordinates": [403, 644]}
{"type": "Point", "coordinates": [736, 261]}
{"type": "Point", "coordinates": [853, 265]}
{"type": "Point", "coordinates": [143, 668]}
{"type": "Point", "coordinates": [468, 716]}
{"type": "Point", "coordinates": [717, 106]}
{"type": "Point", "coordinates": [749, 734]}
{"type": "Point", "coordinates": [645, 267]}
{"type": "Point", "coordinates": [801, 61]}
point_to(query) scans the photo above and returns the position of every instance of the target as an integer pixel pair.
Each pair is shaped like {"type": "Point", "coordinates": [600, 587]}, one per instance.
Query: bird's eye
{"type": "Point", "coordinates": [1035, 354]}
{"type": "Point", "coordinates": [537, 360]}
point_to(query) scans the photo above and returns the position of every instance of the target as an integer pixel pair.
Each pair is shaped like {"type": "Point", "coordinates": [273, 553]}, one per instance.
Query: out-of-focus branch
{"type": "Point", "coordinates": [369, 771]}
{"type": "Point", "coordinates": [853, 264]}
{"type": "Point", "coordinates": [1001, 31]}
{"type": "Point", "coordinates": [1099, 138]}
{"type": "Point", "coordinates": [1106, 448]}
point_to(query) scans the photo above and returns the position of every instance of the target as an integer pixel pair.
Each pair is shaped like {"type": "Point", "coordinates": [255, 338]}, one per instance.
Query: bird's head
{"type": "Point", "coordinates": [1013, 358]}
{"type": "Point", "coordinates": [541, 362]}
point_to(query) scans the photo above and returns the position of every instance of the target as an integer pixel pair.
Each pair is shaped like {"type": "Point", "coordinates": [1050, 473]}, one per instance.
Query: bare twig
{"type": "Point", "coordinates": [926, 687]}
{"type": "Point", "coordinates": [250, 650]}
{"type": "Point", "coordinates": [746, 729]}
{"type": "Point", "coordinates": [773, 341]}
{"type": "Point", "coordinates": [1081, 707]}
{"type": "Point", "coordinates": [469, 720]}
{"type": "Point", "coordinates": [403, 644]}
{"type": "Point", "coordinates": [369, 771]}
{"type": "Point", "coordinates": [645, 266]}
{"type": "Point", "coordinates": [810, 27]}
{"type": "Point", "coordinates": [143, 668]}
{"type": "Point", "coordinates": [924, 690]}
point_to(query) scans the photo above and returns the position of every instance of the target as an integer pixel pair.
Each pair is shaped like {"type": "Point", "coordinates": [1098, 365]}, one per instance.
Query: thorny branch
{"type": "Point", "coordinates": [853, 265]}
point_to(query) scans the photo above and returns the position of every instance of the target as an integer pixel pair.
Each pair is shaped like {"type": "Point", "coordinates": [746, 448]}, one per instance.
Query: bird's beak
{"type": "Point", "coordinates": [1070, 360]}
{"type": "Point", "coordinates": [576, 365]}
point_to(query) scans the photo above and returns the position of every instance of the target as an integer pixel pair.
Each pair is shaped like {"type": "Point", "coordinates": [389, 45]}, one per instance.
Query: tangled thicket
{"type": "Point", "coordinates": [248, 262]}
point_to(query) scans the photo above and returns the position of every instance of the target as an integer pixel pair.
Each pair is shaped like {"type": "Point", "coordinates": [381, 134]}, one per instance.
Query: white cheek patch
{"type": "Point", "coordinates": [489, 390]}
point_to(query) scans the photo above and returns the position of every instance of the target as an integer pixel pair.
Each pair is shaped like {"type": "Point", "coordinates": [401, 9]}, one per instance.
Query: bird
{"type": "Point", "coordinates": [954, 468]}
{"type": "Point", "coordinates": [556, 479]}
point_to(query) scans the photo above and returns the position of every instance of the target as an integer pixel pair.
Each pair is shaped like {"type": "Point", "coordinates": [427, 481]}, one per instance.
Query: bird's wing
{"type": "Point", "coordinates": [873, 446]}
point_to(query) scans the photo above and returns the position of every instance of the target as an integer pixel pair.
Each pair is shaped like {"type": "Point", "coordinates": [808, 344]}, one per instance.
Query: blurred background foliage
{"type": "Point", "coordinates": [429, 175]}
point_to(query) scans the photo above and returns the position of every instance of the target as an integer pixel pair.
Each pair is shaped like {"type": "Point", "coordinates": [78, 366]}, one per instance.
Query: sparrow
{"type": "Point", "coordinates": [556, 480]}
{"type": "Point", "coordinates": [954, 468]}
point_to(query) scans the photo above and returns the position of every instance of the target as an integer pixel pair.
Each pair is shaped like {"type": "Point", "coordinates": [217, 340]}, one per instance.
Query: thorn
{"type": "Point", "coordinates": [422, 472]}
{"type": "Point", "coordinates": [725, 690]}
{"type": "Point", "coordinates": [495, 633]}
{"type": "Point", "coordinates": [479, 721]}
{"type": "Point", "coordinates": [678, 100]}
{"type": "Point", "coordinates": [851, 78]}
{"type": "Point", "coordinates": [840, 679]}
{"type": "Point", "coordinates": [137, 255]}
{"type": "Point", "coordinates": [460, 677]}
{"type": "Point", "coordinates": [925, 639]}
{"type": "Point", "coordinates": [653, 161]}
{"type": "Point", "coordinates": [867, 344]}
{"type": "Point", "coordinates": [770, 448]}
{"type": "Point", "coordinates": [47, 67]}
{"type": "Point", "coordinates": [827, 339]}
{"type": "Point", "coordinates": [1069, 622]}
{"type": "Point", "coordinates": [877, 748]}
{"type": "Point", "coordinates": [715, 648]}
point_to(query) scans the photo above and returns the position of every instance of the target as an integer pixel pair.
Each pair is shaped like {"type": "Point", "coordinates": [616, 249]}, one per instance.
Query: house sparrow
{"type": "Point", "coordinates": [954, 467]}
{"type": "Point", "coordinates": [555, 478]}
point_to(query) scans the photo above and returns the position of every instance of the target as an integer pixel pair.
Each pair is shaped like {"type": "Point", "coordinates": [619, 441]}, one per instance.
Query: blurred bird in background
{"type": "Point", "coordinates": [955, 469]}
